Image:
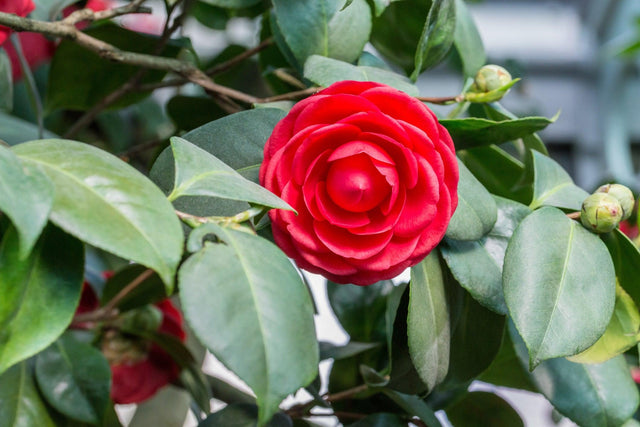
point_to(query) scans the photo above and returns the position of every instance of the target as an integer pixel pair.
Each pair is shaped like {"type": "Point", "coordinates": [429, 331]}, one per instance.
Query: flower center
{"type": "Point", "coordinates": [354, 183]}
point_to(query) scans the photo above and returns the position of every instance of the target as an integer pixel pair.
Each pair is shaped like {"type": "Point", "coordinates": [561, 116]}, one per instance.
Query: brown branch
{"type": "Point", "coordinates": [90, 15]}
{"type": "Point", "coordinates": [441, 100]}
{"type": "Point", "coordinates": [109, 310]}
{"type": "Point", "coordinates": [574, 215]}
{"type": "Point", "coordinates": [227, 65]}
{"type": "Point", "coordinates": [346, 394]}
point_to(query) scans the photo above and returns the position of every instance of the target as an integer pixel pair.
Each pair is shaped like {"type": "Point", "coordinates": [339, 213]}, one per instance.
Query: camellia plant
{"type": "Point", "coordinates": [156, 203]}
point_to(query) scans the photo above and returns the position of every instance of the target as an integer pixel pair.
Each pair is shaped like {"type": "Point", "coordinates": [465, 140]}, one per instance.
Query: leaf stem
{"type": "Point", "coordinates": [233, 222]}
{"type": "Point", "coordinates": [442, 100]}
{"type": "Point", "coordinates": [30, 83]}
{"type": "Point", "coordinates": [574, 215]}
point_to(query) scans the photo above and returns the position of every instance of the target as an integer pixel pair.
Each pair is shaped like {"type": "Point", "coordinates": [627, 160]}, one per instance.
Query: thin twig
{"type": "Point", "coordinates": [32, 89]}
{"type": "Point", "coordinates": [441, 100]}
{"type": "Point", "coordinates": [574, 215]}
{"type": "Point", "coordinates": [227, 65]}
{"type": "Point", "coordinates": [90, 15]}
{"type": "Point", "coordinates": [346, 393]}
{"type": "Point", "coordinates": [110, 309]}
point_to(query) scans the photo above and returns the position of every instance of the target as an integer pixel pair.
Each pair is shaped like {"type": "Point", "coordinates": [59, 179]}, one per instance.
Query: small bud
{"type": "Point", "coordinates": [491, 77]}
{"type": "Point", "coordinates": [624, 196]}
{"type": "Point", "coordinates": [147, 318]}
{"type": "Point", "coordinates": [601, 213]}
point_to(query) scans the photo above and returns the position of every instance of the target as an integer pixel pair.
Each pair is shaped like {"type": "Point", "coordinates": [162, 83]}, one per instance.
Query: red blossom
{"type": "Point", "coordinates": [17, 7]}
{"type": "Point", "coordinates": [630, 230]}
{"type": "Point", "coordinates": [141, 368]}
{"type": "Point", "coordinates": [372, 175]}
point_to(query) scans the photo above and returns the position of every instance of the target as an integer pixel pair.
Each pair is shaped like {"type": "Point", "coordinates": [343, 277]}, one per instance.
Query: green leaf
{"type": "Point", "coordinates": [199, 173]}
{"type": "Point", "coordinates": [393, 303]}
{"type": "Point", "coordinates": [121, 211]}
{"type": "Point", "coordinates": [437, 36]}
{"type": "Point", "coordinates": [495, 111]}
{"type": "Point", "coordinates": [506, 369]}
{"type": "Point", "coordinates": [476, 212]}
{"type": "Point", "coordinates": [14, 130]}
{"type": "Point", "coordinates": [148, 291]}
{"type": "Point", "coordinates": [592, 395]}
{"type": "Point", "coordinates": [428, 327]}
{"type": "Point", "coordinates": [500, 173]}
{"type": "Point", "coordinates": [242, 415]}
{"type": "Point", "coordinates": [75, 378]}
{"type": "Point", "coordinates": [168, 407]}
{"type": "Point", "coordinates": [321, 28]}
{"type": "Point", "coordinates": [626, 260]}
{"type": "Point", "coordinates": [80, 78]}
{"type": "Point", "coordinates": [552, 185]}
{"type": "Point", "coordinates": [6, 82]}
{"type": "Point", "coordinates": [189, 112]}
{"type": "Point", "coordinates": [415, 406]}
{"type": "Point", "coordinates": [477, 265]}
{"type": "Point", "coordinates": [476, 335]}
{"type": "Point", "coordinates": [475, 132]}
{"type": "Point", "coordinates": [225, 392]}
{"type": "Point", "coordinates": [559, 285]}
{"type": "Point", "coordinates": [26, 196]}
{"type": "Point", "coordinates": [262, 311]}
{"type": "Point", "coordinates": [39, 293]}
{"type": "Point", "coordinates": [380, 420]}
{"type": "Point", "coordinates": [360, 309]}
{"type": "Point", "coordinates": [229, 139]}
{"type": "Point", "coordinates": [331, 351]}
{"type": "Point", "coordinates": [621, 333]}
{"type": "Point", "coordinates": [479, 409]}
{"type": "Point", "coordinates": [20, 403]}
{"type": "Point", "coordinates": [467, 41]}
{"type": "Point", "coordinates": [326, 71]}
{"type": "Point", "coordinates": [231, 4]}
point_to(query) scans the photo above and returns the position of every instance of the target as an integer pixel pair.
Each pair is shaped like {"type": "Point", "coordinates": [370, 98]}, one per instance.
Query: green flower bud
{"type": "Point", "coordinates": [624, 196]}
{"type": "Point", "coordinates": [147, 318]}
{"type": "Point", "coordinates": [491, 77]}
{"type": "Point", "coordinates": [601, 213]}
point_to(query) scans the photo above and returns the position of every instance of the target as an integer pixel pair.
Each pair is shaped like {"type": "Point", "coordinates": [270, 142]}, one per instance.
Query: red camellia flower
{"type": "Point", "coordinates": [372, 175]}
{"type": "Point", "coordinates": [138, 368]}
{"type": "Point", "coordinates": [17, 7]}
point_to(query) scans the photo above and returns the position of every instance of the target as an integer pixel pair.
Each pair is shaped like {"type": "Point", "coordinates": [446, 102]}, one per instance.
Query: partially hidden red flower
{"type": "Point", "coordinates": [17, 7]}
{"type": "Point", "coordinates": [372, 175]}
{"type": "Point", "coordinates": [138, 368]}
{"type": "Point", "coordinates": [37, 48]}
{"type": "Point", "coordinates": [630, 230]}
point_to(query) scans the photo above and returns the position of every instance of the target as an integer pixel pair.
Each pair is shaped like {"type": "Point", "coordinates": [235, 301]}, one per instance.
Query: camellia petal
{"type": "Point", "coordinates": [372, 175]}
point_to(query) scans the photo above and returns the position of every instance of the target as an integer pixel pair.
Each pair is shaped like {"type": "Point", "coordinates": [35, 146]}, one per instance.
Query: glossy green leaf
{"type": "Point", "coordinates": [6, 82]}
{"type": "Point", "coordinates": [380, 420]}
{"type": "Point", "coordinates": [79, 78]}
{"type": "Point", "coordinates": [415, 406]}
{"type": "Point", "coordinates": [428, 326]}
{"type": "Point", "coordinates": [14, 130]}
{"type": "Point", "coordinates": [321, 28]}
{"type": "Point", "coordinates": [476, 335]}
{"type": "Point", "coordinates": [552, 185]}
{"type": "Point", "coordinates": [168, 407]}
{"type": "Point", "coordinates": [252, 305]}
{"type": "Point", "coordinates": [326, 71]}
{"type": "Point", "coordinates": [39, 293]}
{"type": "Point", "coordinates": [231, 4]}
{"type": "Point", "coordinates": [621, 334]}
{"type": "Point", "coordinates": [121, 211]}
{"type": "Point", "coordinates": [393, 302]}
{"type": "Point", "coordinates": [360, 309]}
{"type": "Point", "coordinates": [437, 36]}
{"type": "Point", "coordinates": [467, 41]}
{"type": "Point", "coordinates": [592, 395]}
{"type": "Point", "coordinates": [495, 111]}
{"type": "Point", "coordinates": [476, 213]}
{"type": "Point", "coordinates": [20, 403]}
{"type": "Point", "coordinates": [500, 172]}
{"type": "Point", "coordinates": [477, 265]}
{"type": "Point", "coordinates": [331, 351]}
{"type": "Point", "coordinates": [475, 132]}
{"type": "Point", "coordinates": [148, 291]}
{"type": "Point", "coordinates": [626, 260]}
{"type": "Point", "coordinates": [480, 409]}
{"type": "Point", "coordinates": [26, 197]}
{"type": "Point", "coordinates": [229, 139]}
{"type": "Point", "coordinates": [225, 392]}
{"type": "Point", "coordinates": [75, 378]}
{"type": "Point", "coordinates": [199, 173]}
{"type": "Point", "coordinates": [190, 112]}
{"type": "Point", "coordinates": [506, 369]}
{"type": "Point", "coordinates": [242, 415]}
{"type": "Point", "coordinates": [559, 285]}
